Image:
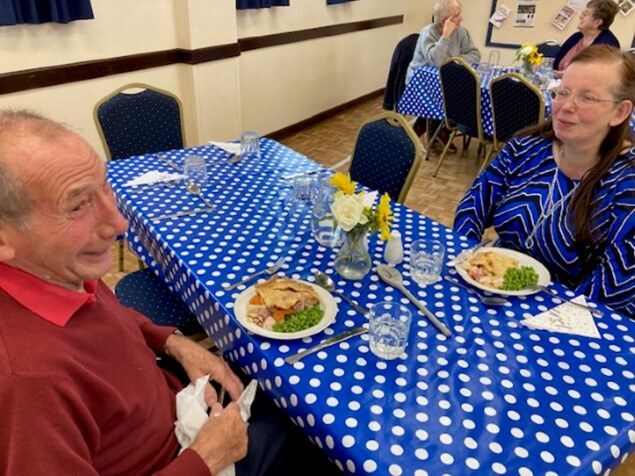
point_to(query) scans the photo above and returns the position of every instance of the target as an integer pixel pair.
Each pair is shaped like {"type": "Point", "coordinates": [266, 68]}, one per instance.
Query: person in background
{"type": "Point", "coordinates": [442, 39]}
{"type": "Point", "coordinates": [564, 192]}
{"type": "Point", "coordinates": [593, 27]}
{"type": "Point", "coordinates": [80, 390]}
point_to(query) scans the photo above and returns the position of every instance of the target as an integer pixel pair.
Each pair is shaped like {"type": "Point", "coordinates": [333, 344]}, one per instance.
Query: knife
{"type": "Point", "coordinates": [465, 254]}
{"type": "Point", "coordinates": [325, 343]}
{"type": "Point", "coordinates": [181, 214]}
{"type": "Point", "coordinates": [169, 162]}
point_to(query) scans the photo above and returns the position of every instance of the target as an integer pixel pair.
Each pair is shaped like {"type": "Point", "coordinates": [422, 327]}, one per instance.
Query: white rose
{"type": "Point", "coordinates": [526, 51]}
{"type": "Point", "coordinates": [348, 211]}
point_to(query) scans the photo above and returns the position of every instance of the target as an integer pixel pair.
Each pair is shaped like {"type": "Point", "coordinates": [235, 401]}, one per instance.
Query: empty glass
{"type": "Point", "coordinates": [389, 325]}
{"type": "Point", "coordinates": [494, 58]}
{"type": "Point", "coordinates": [323, 225]}
{"type": "Point", "coordinates": [426, 261]}
{"type": "Point", "coordinates": [296, 208]}
{"type": "Point", "coordinates": [195, 170]}
{"type": "Point", "coordinates": [249, 145]}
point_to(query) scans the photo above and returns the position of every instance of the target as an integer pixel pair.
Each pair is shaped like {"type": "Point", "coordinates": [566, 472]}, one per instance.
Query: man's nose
{"type": "Point", "coordinates": [111, 221]}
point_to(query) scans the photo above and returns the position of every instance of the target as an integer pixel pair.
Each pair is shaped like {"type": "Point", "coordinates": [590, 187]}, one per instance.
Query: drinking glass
{"type": "Point", "coordinates": [426, 261]}
{"type": "Point", "coordinates": [296, 208]}
{"type": "Point", "coordinates": [389, 324]}
{"type": "Point", "coordinates": [195, 170]}
{"type": "Point", "coordinates": [249, 145]}
{"type": "Point", "coordinates": [494, 58]}
{"type": "Point", "coordinates": [323, 224]}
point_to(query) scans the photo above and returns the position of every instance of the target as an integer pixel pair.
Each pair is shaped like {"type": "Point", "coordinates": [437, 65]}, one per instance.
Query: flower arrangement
{"type": "Point", "coordinates": [352, 210]}
{"type": "Point", "coordinates": [354, 214]}
{"type": "Point", "coordinates": [528, 54]}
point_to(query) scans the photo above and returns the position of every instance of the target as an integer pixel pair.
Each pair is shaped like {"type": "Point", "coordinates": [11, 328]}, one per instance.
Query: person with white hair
{"type": "Point", "coordinates": [442, 39]}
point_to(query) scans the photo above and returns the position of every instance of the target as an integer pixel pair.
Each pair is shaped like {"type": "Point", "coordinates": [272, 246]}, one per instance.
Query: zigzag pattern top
{"type": "Point", "coordinates": [514, 195]}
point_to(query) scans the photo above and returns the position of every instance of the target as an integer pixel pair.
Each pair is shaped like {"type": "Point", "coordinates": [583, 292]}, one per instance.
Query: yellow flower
{"type": "Point", "coordinates": [384, 217]}
{"type": "Point", "coordinates": [344, 183]}
{"type": "Point", "coordinates": [535, 58]}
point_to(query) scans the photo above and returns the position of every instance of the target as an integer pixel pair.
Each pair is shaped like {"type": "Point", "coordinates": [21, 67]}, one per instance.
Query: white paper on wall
{"type": "Point", "coordinates": [525, 13]}
{"type": "Point", "coordinates": [499, 16]}
{"type": "Point", "coordinates": [563, 17]}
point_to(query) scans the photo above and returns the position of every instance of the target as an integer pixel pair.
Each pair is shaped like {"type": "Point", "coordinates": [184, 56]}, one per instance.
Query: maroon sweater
{"type": "Point", "coordinates": [87, 398]}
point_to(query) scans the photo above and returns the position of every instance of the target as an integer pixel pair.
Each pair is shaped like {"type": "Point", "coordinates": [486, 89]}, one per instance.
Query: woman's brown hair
{"type": "Point", "coordinates": [613, 143]}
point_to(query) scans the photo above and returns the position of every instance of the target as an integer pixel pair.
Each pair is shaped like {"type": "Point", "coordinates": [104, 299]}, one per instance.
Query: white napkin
{"type": "Point", "coordinates": [231, 147]}
{"type": "Point", "coordinates": [191, 413]}
{"type": "Point", "coordinates": [565, 318]}
{"type": "Point", "coordinates": [553, 83]}
{"type": "Point", "coordinates": [153, 176]}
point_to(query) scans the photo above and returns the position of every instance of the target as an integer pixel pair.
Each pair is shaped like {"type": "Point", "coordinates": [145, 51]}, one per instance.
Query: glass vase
{"type": "Point", "coordinates": [353, 261]}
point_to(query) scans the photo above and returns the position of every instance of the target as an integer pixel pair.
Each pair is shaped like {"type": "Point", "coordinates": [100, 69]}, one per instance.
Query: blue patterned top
{"type": "Point", "coordinates": [514, 195]}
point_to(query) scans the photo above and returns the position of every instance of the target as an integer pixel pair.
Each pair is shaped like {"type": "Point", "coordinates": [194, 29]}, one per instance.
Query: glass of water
{"type": "Point", "coordinates": [426, 261]}
{"type": "Point", "coordinates": [195, 170]}
{"type": "Point", "coordinates": [323, 224]}
{"type": "Point", "coordinates": [389, 324]}
{"type": "Point", "coordinates": [249, 145]}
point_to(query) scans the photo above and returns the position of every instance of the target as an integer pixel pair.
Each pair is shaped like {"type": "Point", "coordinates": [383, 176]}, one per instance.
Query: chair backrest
{"type": "Point", "coordinates": [387, 155]}
{"type": "Point", "coordinates": [461, 88]}
{"type": "Point", "coordinates": [396, 82]}
{"type": "Point", "coordinates": [139, 119]}
{"type": "Point", "coordinates": [549, 48]}
{"type": "Point", "coordinates": [516, 104]}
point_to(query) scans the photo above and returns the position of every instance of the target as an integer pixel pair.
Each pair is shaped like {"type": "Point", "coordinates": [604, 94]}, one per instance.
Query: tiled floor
{"type": "Point", "coordinates": [332, 140]}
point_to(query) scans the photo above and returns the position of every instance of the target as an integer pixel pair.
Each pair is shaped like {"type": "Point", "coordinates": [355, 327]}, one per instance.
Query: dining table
{"type": "Point", "coordinates": [423, 96]}
{"type": "Point", "coordinates": [496, 397]}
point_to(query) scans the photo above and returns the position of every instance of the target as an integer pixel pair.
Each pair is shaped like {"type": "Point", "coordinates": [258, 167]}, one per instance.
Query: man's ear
{"type": "Point", "coordinates": [7, 252]}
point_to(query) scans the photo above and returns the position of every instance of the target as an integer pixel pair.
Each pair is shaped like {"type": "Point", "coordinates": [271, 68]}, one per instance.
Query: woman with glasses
{"type": "Point", "coordinates": [593, 28]}
{"type": "Point", "coordinates": [564, 191]}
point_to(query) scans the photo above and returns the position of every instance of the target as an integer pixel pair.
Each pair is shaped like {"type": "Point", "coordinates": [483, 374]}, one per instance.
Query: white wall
{"type": "Point", "coordinates": [265, 89]}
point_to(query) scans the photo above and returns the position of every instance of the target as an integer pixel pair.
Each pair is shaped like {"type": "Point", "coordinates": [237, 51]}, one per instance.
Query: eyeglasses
{"type": "Point", "coordinates": [586, 100]}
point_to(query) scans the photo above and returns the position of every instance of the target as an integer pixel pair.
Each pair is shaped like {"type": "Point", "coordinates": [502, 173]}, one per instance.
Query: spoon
{"type": "Point", "coordinates": [194, 189]}
{"type": "Point", "coordinates": [270, 270]}
{"type": "Point", "coordinates": [393, 277]}
{"type": "Point", "coordinates": [327, 283]}
{"type": "Point", "coordinates": [487, 300]}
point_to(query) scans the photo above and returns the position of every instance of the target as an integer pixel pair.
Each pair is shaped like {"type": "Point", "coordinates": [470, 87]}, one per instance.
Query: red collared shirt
{"type": "Point", "coordinates": [52, 303]}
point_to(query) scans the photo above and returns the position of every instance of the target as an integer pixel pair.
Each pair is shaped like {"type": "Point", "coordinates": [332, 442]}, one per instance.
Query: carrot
{"type": "Point", "coordinates": [255, 300]}
{"type": "Point", "coordinates": [280, 314]}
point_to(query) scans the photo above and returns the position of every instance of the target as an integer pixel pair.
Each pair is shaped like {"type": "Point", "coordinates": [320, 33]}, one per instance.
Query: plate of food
{"type": "Point", "coordinates": [503, 271]}
{"type": "Point", "coordinates": [283, 308]}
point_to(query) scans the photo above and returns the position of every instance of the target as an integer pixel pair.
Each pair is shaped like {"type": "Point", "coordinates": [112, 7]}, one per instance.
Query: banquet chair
{"type": "Point", "coordinates": [138, 119]}
{"type": "Point", "coordinates": [461, 93]}
{"type": "Point", "coordinates": [146, 293]}
{"type": "Point", "coordinates": [549, 48]}
{"type": "Point", "coordinates": [386, 155]}
{"type": "Point", "coordinates": [516, 104]}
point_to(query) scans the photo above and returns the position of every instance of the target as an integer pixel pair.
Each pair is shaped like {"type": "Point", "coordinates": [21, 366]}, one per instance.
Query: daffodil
{"type": "Point", "coordinates": [343, 183]}
{"type": "Point", "coordinates": [384, 217]}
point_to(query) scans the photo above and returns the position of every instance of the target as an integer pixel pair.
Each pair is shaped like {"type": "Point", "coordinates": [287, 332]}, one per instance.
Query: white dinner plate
{"type": "Point", "coordinates": [544, 278]}
{"type": "Point", "coordinates": [327, 304]}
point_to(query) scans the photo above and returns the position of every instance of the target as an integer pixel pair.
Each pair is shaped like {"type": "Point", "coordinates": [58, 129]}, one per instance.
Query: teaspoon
{"type": "Point", "coordinates": [194, 189]}
{"type": "Point", "coordinates": [324, 281]}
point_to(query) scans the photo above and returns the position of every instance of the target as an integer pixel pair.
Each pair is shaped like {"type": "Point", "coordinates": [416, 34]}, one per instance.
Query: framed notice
{"type": "Point", "coordinates": [525, 13]}
{"type": "Point", "coordinates": [563, 17]}
{"type": "Point", "coordinates": [626, 6]}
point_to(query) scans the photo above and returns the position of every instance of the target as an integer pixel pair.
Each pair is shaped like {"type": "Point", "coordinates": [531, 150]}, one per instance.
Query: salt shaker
{"type": "Point", "coordinates": [393, 252]}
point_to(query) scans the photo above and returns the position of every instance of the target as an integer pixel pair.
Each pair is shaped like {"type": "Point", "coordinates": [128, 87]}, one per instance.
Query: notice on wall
{"type": "Point", "coordinates": [563, 17]}
{"type": "Point", "coordinates": [577, 4]}
{"type": "Point", "coordinates": [626, 6]}
{"type": "Point", "coordinates": [525, 13]}
{"type": "Point", "coordinates": [499, 16]}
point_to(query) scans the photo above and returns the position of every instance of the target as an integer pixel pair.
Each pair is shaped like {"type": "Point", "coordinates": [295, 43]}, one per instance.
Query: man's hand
{"type": "Point", "coordinates": [197, 361]}
{"type": "Point", "coordinates": [222, 440]}
{"type": "Point", "coordinates": [449, 27]}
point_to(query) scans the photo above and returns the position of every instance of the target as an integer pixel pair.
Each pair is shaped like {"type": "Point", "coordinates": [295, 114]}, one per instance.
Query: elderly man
{"type": "Point", "coordinates": [80, 390]}
{"type": "Point", "coordinates": [443, 39]}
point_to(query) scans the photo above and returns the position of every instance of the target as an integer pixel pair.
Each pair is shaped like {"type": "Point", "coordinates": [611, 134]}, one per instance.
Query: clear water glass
{"type": "Point", "coordinates": [195, 170]}
{"type": "Point", "coordinates": [294, 214]}
{"type": "Point", "coordinates": [389, 325]}
{"type": "Point", "coordinates": [494, 58]}
{"type": "Point", "coordinates": [426, 261]}
{"type": "Point", "coordinates": [249, 145]}
{"type": "Point", "coordinates": [323, 224]}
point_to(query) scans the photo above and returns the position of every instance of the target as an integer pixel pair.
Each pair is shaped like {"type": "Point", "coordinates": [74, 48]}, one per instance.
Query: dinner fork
{"type": "Point", "coordinates": [270, 270]}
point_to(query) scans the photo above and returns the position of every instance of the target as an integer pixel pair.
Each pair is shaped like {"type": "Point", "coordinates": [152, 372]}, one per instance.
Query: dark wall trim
{"type": "Point", "coordinates": [298, 126]}
{"type": "Point", "coordinates": [63, 74]}
{"type": "Point", "coordinates": [278, 39]}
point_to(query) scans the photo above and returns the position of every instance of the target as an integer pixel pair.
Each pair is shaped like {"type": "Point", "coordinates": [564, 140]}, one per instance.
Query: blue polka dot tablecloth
{"type": "Point", "coordinates": [423, 97]}
{"type": "Point", "coordinates": [496, 398]}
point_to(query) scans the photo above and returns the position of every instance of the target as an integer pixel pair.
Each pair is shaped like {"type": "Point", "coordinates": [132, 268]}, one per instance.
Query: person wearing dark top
{"type": "Point", "coordinates": [593, 27]}
{"type": "Point", "coordinates": [80, 389]}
